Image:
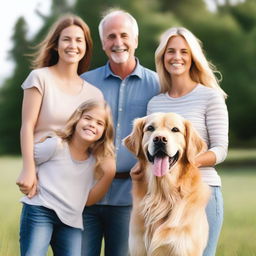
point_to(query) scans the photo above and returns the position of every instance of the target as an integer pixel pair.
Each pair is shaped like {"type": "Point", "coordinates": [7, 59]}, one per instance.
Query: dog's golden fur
{"type": "Point", "coordinates": [168, 216]}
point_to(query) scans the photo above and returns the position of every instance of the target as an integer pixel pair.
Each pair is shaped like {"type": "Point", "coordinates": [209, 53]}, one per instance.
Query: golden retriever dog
{"type": "Point", "coordinates": [168, 216]}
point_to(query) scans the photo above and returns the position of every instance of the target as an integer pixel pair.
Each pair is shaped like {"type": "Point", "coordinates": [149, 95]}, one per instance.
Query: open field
{"type": "Point", "coordinates": [239, 191]}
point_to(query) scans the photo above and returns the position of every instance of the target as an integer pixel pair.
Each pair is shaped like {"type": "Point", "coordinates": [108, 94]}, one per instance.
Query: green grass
{"type": "Point", "coordinates": [238, 232]}
{"type": "Point", "coordinates": [239, 191]}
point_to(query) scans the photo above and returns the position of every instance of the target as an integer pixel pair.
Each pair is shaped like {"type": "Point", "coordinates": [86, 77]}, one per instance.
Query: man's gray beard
{"type": "Point", "coordinates": [120, 59]}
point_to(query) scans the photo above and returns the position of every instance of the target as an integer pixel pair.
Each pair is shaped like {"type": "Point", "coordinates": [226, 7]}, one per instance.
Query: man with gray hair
{"type": "Point", "coordinates": [127, 87]}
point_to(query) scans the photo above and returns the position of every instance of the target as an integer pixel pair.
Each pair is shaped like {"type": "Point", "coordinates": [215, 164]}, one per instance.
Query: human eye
{"type": "Point", "coordinates": [184, 51]}
{"type": "Point", "coordinates": [170, 50]}
{"type": "Point", "coordinates": [111, 36]}
{"type": "Point", "coordinates": [65, 39]}
{"type": "Point", "coordinates": [80, 40]}
{"type": "Point", "coordinates": [101, 123]}
{"type": "Point", "coordinates": [124, 35]}
{"type": "Point", "coordinates": [87, 117]}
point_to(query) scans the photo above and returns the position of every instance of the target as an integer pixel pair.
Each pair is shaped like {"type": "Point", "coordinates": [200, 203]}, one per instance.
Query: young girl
{"type": "Point", "coordinates": [66, 168]}
{"type": "Point", "coordinates": [54, 89]}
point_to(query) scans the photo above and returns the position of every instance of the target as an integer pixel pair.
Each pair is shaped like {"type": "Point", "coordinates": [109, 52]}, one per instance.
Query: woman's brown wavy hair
{"type": "Point", "coordinates": [47, 55]}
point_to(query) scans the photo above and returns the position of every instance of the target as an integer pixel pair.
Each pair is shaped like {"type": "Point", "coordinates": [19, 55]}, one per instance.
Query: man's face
{"type": "Point", "coordinates": [119, 41]}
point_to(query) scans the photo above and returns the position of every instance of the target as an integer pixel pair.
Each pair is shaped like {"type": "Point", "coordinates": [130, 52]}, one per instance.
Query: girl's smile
{"type": "Point", "coordinates": [91, 125]}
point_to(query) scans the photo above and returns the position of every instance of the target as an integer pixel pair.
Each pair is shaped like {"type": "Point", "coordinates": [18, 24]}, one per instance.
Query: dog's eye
{"type": "Point", "coordinates": [175, 129]}
{"type": "Point", "coordinates": [150, 128]}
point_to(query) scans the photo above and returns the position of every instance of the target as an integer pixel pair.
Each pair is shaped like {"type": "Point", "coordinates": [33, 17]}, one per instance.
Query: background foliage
{"type": "Point", "coordinates": [228, 36]}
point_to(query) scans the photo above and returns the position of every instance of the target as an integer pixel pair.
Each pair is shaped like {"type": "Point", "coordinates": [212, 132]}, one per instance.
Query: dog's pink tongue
{"type": "Point", "coordinates": [160, 167]}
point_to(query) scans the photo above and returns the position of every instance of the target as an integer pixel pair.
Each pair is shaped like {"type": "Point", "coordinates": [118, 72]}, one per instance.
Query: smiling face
{"type": "Point", "coordinates": [71, 45]}
{"type": "Point", "coordinates": [177, 56]}
{"type": "Point", "coordinates": [119, 41]}
{"type": "Point", "coordinates": [91, 125]}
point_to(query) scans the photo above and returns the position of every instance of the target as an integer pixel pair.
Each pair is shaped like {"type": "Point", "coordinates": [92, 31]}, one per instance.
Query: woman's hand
{"type": "Point", "coordinates": [207, 158]}
{"type": "Point", "coordinates": [27, 183]}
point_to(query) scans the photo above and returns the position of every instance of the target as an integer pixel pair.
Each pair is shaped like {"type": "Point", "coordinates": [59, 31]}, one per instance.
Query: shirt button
{"type": "Point", "coordinates": [120, 109]}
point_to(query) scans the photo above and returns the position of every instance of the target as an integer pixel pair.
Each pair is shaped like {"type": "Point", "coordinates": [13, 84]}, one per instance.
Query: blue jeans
{"type": "Point", "coordinates": [214, 211]}
{"type": "Point", "coordinates": [41, 227]}
{"type": "Point", "coordinates": [110, 223]}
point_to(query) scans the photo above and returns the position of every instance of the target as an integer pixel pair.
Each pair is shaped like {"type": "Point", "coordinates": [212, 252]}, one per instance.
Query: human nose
{"type": "Point", "coordinates": [118, 41]}
{"type": "Point", "coordinates": [72, 43]}
{"type": "Point", "coordinates": [92, 123]}
{"type": "Point", "coordinates": [177, 55]}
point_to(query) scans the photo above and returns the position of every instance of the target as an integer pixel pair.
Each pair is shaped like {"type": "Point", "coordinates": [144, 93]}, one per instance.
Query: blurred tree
{"type": "Point", "coordinates": [58, 8]}
{"type": "Point", "coordinates": [228, 36]}
{"type": "Point", "coordinates": [11, 93]}
{"type": "Point", "coordinates": [186, 10]}
{"type": "Point", "coordinates": [244, 13]}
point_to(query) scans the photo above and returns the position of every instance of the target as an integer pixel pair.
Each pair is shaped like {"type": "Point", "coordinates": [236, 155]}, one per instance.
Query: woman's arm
{"type": "Point", "coordinates": [217, 127]}
{"type": "Point", "coordinates": [205, 159]}
{"type": "Point", "coordinates": [27, 180]}
{"type": "Point", "coordinates": [108, 168]}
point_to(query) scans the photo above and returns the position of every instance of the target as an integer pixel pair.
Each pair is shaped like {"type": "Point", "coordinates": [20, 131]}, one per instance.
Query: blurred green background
{"type": "Point", "coordinates": [228, 35]}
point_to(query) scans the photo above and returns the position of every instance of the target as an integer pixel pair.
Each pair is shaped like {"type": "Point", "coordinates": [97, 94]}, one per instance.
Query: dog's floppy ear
{"type": "Point", "coordinates": [195, 143]}
{"type": "Point", "coordinates": [133, 141]}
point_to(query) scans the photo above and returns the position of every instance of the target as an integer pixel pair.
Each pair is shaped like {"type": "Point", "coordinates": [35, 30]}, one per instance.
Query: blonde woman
{"type": "Point", "coordinates": [66, 166]}
{"type": "Point", "coordinates": [54, 89]}
{"type": "Point", "coordinates": [190, 88]}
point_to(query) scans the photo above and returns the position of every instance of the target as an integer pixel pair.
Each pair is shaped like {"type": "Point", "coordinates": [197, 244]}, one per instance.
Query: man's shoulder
{"type": "Point", "coordinates": [148, 71]}
{"type": "Point", "coordinates": [149, 74]}
{"type": "Point", "coordinates": [93, 72]}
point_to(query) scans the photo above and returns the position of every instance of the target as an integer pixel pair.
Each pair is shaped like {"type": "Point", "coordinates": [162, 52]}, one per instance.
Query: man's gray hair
{"type": "Point", "coordinates": [114, 12]}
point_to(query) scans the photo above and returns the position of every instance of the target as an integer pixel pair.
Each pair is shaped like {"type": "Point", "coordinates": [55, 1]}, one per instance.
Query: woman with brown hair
{"type": "Point", "coordinates": [54, 89]}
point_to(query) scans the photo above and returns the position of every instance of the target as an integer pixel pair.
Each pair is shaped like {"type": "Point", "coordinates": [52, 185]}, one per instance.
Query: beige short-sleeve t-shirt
{"type": "Point", "coordinates": [57, 106]}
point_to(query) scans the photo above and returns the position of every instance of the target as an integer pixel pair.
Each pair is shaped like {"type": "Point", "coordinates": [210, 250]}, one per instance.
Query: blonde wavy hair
{"type": "Point", "coordinates": [102, 148]}
{"type": "Point", "coordinates": [47, 55]}
{"type": "Point", "coordinates": [201, 71]}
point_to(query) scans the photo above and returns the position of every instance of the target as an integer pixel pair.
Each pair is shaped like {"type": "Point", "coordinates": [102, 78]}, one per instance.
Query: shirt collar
{"type": "Point", "coordinates": [136, 72]}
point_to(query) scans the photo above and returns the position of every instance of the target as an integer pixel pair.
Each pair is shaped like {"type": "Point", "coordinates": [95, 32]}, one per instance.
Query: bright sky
{"type": "Point", "coordinates": [10, 11]}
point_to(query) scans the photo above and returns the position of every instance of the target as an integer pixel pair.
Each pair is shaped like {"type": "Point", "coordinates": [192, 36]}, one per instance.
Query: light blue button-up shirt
{"type": "Point", "coordinates": [128, 100]}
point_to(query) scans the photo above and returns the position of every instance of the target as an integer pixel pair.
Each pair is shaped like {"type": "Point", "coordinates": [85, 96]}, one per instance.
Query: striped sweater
{"type": "Point", "coordinates": [205, 108]}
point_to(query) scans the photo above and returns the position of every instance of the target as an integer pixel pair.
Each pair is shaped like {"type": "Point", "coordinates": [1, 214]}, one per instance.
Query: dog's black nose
{"type": "Point", "coordinates": [160, 140]}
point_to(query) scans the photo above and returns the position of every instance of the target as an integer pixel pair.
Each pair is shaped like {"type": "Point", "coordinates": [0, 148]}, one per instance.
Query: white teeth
{"type": "Point", "coordinates": [71, 53]}
{"type": "Point", "coordinates": [118, 50]}
{"type": "Point", "coordinates": [89, 131]}
{"type": "Point", "coordinates": [176, 64]}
